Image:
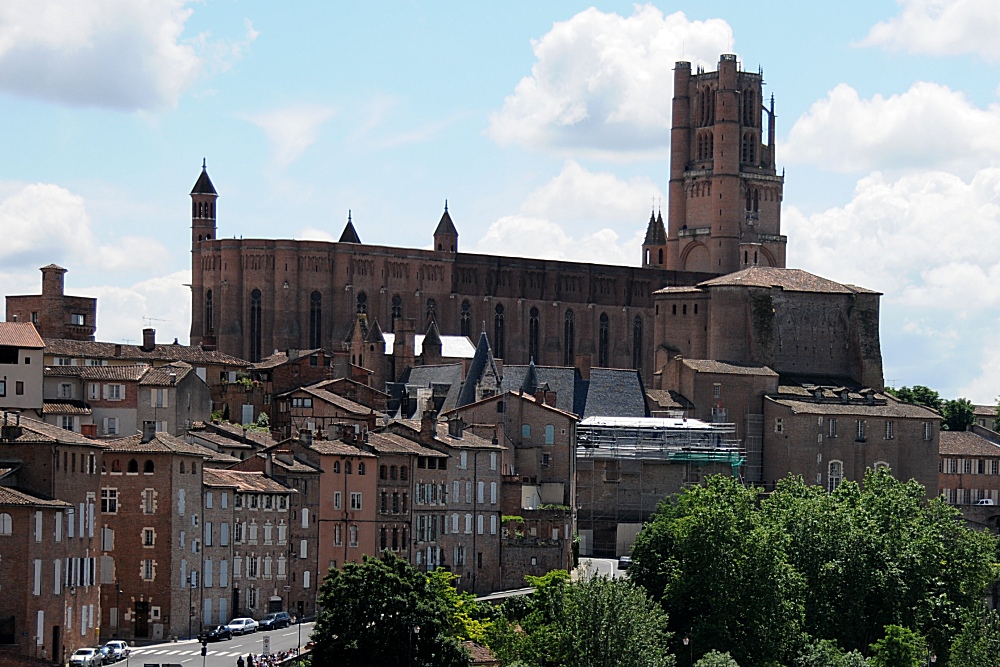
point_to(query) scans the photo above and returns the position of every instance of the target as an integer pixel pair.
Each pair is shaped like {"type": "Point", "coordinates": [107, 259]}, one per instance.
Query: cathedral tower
{"type": "Point", "coordinates": [446, 235]}
{"type": "Point", "coordinates": [725, 195]}
{"type": "Point", "coordinates": [203, 310]}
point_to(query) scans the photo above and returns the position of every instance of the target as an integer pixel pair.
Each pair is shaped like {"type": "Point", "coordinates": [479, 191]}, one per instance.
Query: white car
{"type": "Point", "coordinates": [119, 649]}
{"type": "Point", "coordinates": [86, 657]}
{"type": "Point", "coordinates": [242, 626]}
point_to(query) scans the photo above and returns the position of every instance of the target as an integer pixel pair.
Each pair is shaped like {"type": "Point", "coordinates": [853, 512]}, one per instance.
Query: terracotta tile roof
{"type": "Point", "coordinates": [790, 280]}
{"type": "Point", "coordinates": [985, 410]}
{"type": "Point", "coordinates": [62, 347]}
{"type": "Point", "coordinates": [165, 443]}
{"type": "Point", "coordinates": [10, 496]}
{"type": "Point", "coordinates": [334, 399]}
{"type": "Point", "coordinates": [65, 407]}
{"type": "Point", "coordinates": [391, 443]}
{"type": "Point", "coordinates": [296, 466]}
{"type": "Point", "coordinates": [262, 438]}
{"type": "Point", "coordinates": [891, 407]}
{"type": "Point", "coordinates": [20, 334]}
{"type": "Point", "coordinates": [219, 440]}
{"type": "Point", "coordinates": [467, 441]}
{"type": "Point", "coordinates": [679, 289]}
{"type": "Point", "coordinates": [668, 398]}
{"type": "Point", "coordinates": [245, 481]}
{"type": "Point", "coordinates": [727, 368]}
{"type": "Point", "coordinates": [33, 430]}
{"type": "Point", "coordinates": [338, 448]}
{"type": "Point", "coordinates": [479, 655]}
{"type": "Point", "coordinates": [165, 376]}
{"type": "Point", "coordinates": [281, 358]}
{"type": "Point", "coordinates": [123, 373]}
{"type": "Point", "coordinates": [967, 443]}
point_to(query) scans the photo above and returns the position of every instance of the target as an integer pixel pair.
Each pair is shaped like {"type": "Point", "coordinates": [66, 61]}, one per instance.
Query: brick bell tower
{"type": "Point", "coordinates": [203, 311]}
{"type": "Point", "coordinates": [725, 195]}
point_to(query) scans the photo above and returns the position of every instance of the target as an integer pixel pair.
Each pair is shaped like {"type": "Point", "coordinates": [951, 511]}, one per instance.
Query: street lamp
{"type": "Point", "coordinates": [118, 608]}
{"type": "Point", "coordinates": [415, 630]}
{"type": "Point", "coordinates": [690, 645]}
{"type": "Point", "coordinates": [191, 585]}
{"type": "Point", "coordinates": [931, 658]}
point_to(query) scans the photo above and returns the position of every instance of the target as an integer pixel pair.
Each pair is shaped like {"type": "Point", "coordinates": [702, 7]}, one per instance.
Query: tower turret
{"type": "Point", "coordinates": [203, 197]}
{"type": "Point", "coordinates": [446, 236]}
{"type": "Point", "coordinates": [654, 247]}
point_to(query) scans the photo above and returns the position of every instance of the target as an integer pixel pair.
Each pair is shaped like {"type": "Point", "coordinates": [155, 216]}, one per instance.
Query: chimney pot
{"type": "Point", "coordinates": [148, 339]}
{"type": "Point", "coordinates": [148, 431]}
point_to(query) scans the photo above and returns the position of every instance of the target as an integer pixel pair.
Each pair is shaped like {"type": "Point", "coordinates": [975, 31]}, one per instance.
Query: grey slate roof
{"type": "Point", "coordinates": [203, 186]}
{"type": "Point", "coordinates": [480, 363]}
{"type": "Point", "coordinates": [615, 392]}
{"type": "Point", "coordinates": [655, 232]}
{"type": "Point", "coordinates": [561, 379]}
{"type": "Point", "coordinates": [446, 226]}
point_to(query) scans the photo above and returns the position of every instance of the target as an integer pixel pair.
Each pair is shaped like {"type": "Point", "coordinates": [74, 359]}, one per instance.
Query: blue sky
{"type": "Point", "coordinates": [545, 125]}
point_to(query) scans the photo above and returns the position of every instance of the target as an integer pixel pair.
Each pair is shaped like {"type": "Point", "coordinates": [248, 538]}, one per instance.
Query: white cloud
{"type": "Point", "coordinates": [166, 300]}
{"type": "Point", "coordinates": [124, 54]}
{"type": "Point", "coordinates": [602, 82]}
{"type": "Point", "coordinates": [984, 389]}
{"type": "Point", "coordinates": [573, 196]}
{"type": "Point", "coordinates": [292, 130]}
{"type": "Point", "coordinates": [928, 126]}
{"type": "Point", "coordinates": [941, 27]}
{"type": "Point", "coordinates": [44, 223]}
{"type": "Point", "coordinates": [314, 234]}
{"type": "Point", "coordinates": [922, 239]}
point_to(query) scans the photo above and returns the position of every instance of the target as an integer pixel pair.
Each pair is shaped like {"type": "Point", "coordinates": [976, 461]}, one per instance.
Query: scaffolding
{"type": "Point", "coordinates": [626, 466]}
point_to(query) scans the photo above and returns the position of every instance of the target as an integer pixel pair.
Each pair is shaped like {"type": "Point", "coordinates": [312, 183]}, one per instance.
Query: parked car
{"type": "Point", "coordinates": [86, 657]}
{"type": "Point", "coordinates": [275, 620]}
{"type": "Point", "coordinates": [624, 562]}
{"type": "Point", "coordinates": [242, 626]}
{"type": "Point", "coordinates": [119, 649]}
{"type": "Point", "coordinates": [217, 634]}
{"type": "Point", "coordinates": [106, 655]}
{"type": "Point", "coordinates": [986, 501]}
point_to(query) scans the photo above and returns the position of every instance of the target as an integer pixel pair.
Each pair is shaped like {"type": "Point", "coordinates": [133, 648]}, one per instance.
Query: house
{"type": "Point", "coordinates": [21, 358]}
{"type": "Point", "coordinates": [174, 397]}
{"type": "Point", "coordinates": [319, 411]}
{"type": "Point", "coordinates": [53, 313]}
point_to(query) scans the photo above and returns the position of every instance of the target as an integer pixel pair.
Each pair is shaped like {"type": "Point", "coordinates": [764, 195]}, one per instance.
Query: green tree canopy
{"type": "Point", "coordinates": [594, 622]}
{"type": "Point", "coordinates": [899, 647]}
{"type": "Point", "coordinates": [957, 414]}
{"type": "Point", "coordinates": [370, 615]}
{"type": "Point", "coordinates": [716, 659]}
{"type": "Point", "coordinates": [918, 395]}
{"type": "Point", "coordinates": [978, 645]}
{"type": "Point", "coordinates": [759, 579]}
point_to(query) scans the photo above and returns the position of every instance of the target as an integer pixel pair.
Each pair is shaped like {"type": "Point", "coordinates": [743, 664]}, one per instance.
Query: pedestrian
{"type": "Point", "coordinates": [240, 663]}
{"type": "Point", "coordinates": [250, 660]}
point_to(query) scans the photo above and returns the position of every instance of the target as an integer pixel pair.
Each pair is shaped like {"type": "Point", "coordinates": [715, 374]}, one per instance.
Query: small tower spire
{"type": "Point", "coordinates": [446, 235]}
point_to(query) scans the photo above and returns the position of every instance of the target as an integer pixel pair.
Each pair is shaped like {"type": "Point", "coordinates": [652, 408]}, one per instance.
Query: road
{"type": "Point", "coordinates": [604, 566]}
{"type": "Point", "coordinates": [220, 654]}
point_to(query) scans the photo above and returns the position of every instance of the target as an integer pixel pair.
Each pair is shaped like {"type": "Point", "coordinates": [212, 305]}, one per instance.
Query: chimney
{"type": "Point", "coordinates": [348, 436]}
{"type": "Point", "coordinates": [118, 349]}
{"type": "Point", "coordinates": [11, 429]}
{"type": "Point", "coordinates": [285, 456]}
{"type": "Point", "coordinates": [269, 465]}
{"type": "Point", "coordinates": [428, 423]}
{"type": "Point", "coordinates": [148, 431]}
{"type": "Point", "coordinates": [306, 437]}
{"type": "Point", "coordinates": [455, 426]}
{"type": "Point", "coordinates": [88, 430]}
{"type": "Point", "coordinates": [583, 365]}
{"type": "Point", "coordinates": [148, 339]}
{"type": "Point", "coordinates": [173, 378]}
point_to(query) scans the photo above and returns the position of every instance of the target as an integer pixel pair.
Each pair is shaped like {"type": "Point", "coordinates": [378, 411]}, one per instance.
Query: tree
{"type": "Point", "coordinates": [957, 414]}
{"type": "Point", "coordinates": [826, 653]}
{"type": "Point", "coordinates": [918, 395]}
{"type": "Point", "coordinates": [716, 659]}
{"type": "Point", "coordinates": [370, 615]}
{"type": "Point", "coordinates": [978, 645]}
{"type": "Point", "coordinates": [595, 622]}
{"type": "Point", "coordinates": [899, 647]}
{"type": "Point", "coordinates": [466, 620]}
{"type": "Point", "coordinates": [721, 573]}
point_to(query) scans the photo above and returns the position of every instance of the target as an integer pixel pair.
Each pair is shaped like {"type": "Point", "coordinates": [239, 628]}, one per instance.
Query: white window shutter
{"type": "Point", "coordinates": [152, 397]}
{"type": "Point", "coordinates": [104, 391]}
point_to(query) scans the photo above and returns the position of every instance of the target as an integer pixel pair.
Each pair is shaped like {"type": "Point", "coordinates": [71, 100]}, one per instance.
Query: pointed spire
{"type": "Point", "coordinates": [481, 362]}
{"type": "Point", "coordinates": [203, 186]}
{"type": "Point", "coordinates": [433, 336]}
{"type": "Point", "coordinates": [655, 232]}
{"type": "Point", "coordinates": [350, 235]}
{"type": "Point", "coordinates": [530, 384]}
{"type": "Point", "coordinates": [375, 333]}
{"type": "Point", "coordinates": [446, 226]}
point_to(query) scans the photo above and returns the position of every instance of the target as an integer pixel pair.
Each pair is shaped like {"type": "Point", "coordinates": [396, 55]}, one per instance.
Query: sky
{"type": "Point", "coordinates": [545, 125]}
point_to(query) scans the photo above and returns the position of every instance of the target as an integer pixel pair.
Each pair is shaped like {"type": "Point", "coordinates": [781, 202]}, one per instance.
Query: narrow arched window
{"type": "Point", "coordinates": [602, 341]}
{"type": "Point", "coordinates": [746, 148]}
{"type": "Point", "coordinates": [466, 318]}
{"type": "Point", "coordinates": [397, 311]}
{"type": "Point", "coordinates": [660, 255]}
{"type": "Point", "coordinates": [637, 343]}
{"type": "Point", "coordinates": [498, 332]}
{"type": "Point", "coordinates": [431, 311]}
{"type": "Point", "coordinates": [347, 467]}
{"type": "Point", "coordinates": [133, 466]}
{"type": "Point", "coordinates": [835, 475]}
{"type": "Point", "coordinates": [315, 320]}
{"type": "Point", "coordinates": [148, 466]}
{"type": "Point", "coordinates": [533, 334]}
{"type": "Point", "coordinates": [209, 312]}
{"type": "Point", "coordinates": [116, 465]}
{"type": "Point", "coordinates": [7, 525]}
{"type": "Point", "coordinates": [362, 303]}
{"type": "Point", "coordinates": [361, 467]}
{"type": "Point", "coordinates": [255, 326]}
{"type": "Point", "coordinates": [569, 333]}
{"type": "Point", "coordinates": [756, 200]}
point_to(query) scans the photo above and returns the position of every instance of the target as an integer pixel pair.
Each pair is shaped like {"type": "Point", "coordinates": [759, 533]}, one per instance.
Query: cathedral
{"type": "Point", "coordinates": [251, 297]}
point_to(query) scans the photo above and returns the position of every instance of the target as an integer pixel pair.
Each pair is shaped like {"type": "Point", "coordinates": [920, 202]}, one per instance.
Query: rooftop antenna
{"type": "Point", "coordinates": [148, 321]}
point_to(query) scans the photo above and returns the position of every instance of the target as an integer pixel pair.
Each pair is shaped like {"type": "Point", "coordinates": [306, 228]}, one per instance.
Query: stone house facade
{"type": "Point", "coordinates": [969, 466]}
{"type": "Point", "coordinates": [20, 366]}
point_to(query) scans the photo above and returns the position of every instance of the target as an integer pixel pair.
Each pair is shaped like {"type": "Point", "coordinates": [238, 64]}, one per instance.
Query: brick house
{"type": "Point", "coordinates": [279, 463]}
{"type": "Point", "coordinates": [151, 513]}
{"type": "Point", "coordinates": [53, 313]}
{"type": "Point", "coordinates": [173, 397]}
{"type": "Point", "coordinates": [831, 434]}
{"type": "Point", "coordinates": [319, 411]}
{"type": "Point", "coordinates": [474, 478]}
{"type": "Point", "coordinates": [412, 496]}
{"type": "Point", "coordinates": [109, 395]}
{"type": "Point", "coordinates": [261, 548]}
{"type": "Point", "coordinates": [50, 568]}
{"type": "Point", "coordinates": [969, 467]}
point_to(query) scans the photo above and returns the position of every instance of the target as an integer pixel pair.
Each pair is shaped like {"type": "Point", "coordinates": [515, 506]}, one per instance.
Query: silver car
{"type": "Point", "coordinates": [86, 657]}
{"type": "Point", "coordinates": [242, 626]}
